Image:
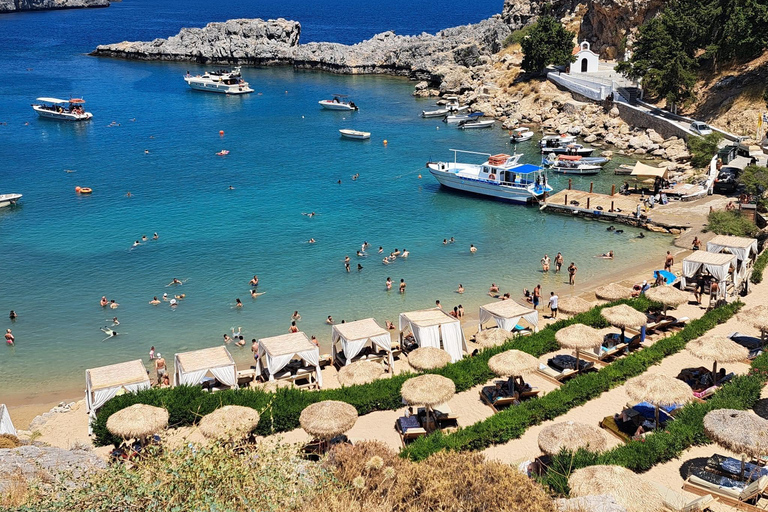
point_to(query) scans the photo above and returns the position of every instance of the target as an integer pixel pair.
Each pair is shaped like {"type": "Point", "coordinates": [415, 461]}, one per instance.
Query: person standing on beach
{"type": "Point", "coordinates": [572, 273]}
{"type": "Point", "coordinates": [545, 263]}
{"type": "Point", "coordinates": [536, 296]}
{"type": "Point", "coordinates": [669, 261]}
{"type": "Point", "coordinates": [714, 289]}
{"type": "Point", "coordinates": [553, 304]}
{"type": "Point", "coordinates": [402, 286]}
{"type": "Point", "coordinates": [293, 328]}
{"type": "Point", "coordinates": [558, 262]}
{"type": "Point", "coordinates": [160, 368]}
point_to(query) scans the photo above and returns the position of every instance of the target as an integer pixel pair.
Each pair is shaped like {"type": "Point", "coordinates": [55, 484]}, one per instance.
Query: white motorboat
{"type": "Point", "coordinates": [62, 110]}
{"type": "Point", "coordinates": [500, 176]}
{"type": "Point", "coordinates": [570, 149]}
{"type": "Point", "coordinates": [452, 106]}
{"type": "Point", "coordinates": [473, 124]}
{"type": "Point", "coordinates": [338, 102]}
{"type": "Point", "coordinates": [9, 199]}
{"type": "Point", "coordinates": [567, 164]}
{"type": "Point", "coordinates": [221, 81]}
{"type": "Point", "coordinates": [458, 118]}
{"type": "Point", "coordinates": [355, 134]}
{"type": "Point", "coordinates": [521, 134]}
{"type": "Point", "coordinates": [553, 141]}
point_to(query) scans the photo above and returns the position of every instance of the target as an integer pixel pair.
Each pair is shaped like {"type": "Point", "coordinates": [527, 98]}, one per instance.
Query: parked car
{"type": "Point", "coordinates": [700, 128]}
{"type": "Point", "coordinates": [727, 180]}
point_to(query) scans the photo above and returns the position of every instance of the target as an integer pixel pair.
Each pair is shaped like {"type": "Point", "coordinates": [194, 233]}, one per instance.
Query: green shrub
{"type": "Point", "coordinates": [513, 422]}
{"type": "Point", "coordinates": [725, 222]}
{"type": "Point", "coordinates": [280, 411]}
{"type": "Point", "coordinates": [703, 149]}
{"type": "Point", "coordinates": [517, 36]}
{"type": "Point", "coordinates": [759, 268]}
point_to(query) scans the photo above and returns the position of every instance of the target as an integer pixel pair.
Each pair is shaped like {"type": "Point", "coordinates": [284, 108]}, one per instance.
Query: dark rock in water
{"type": "Point", "coordinates": [44, 5]}
{"type": "Point", "coordinates": [276, 42]}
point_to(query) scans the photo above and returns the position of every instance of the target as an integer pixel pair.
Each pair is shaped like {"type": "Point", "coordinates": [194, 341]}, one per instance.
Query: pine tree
{"type": "Point", "coordinates": [548, 42]}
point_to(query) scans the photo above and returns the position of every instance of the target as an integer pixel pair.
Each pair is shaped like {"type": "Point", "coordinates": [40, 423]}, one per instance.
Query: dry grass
{"type": "Point", "coordinates": [9, 441]}
{"type": "Point", "coordinates": [16, 491]}
{"type": "Point", "coordinates": [447, 481]}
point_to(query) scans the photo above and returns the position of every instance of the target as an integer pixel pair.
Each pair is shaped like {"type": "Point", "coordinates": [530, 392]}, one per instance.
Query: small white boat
{"type": "Point", "coordinates": [521, 134]}
{"type": "Point", "coordinates": [9, 199]}
{"type": "Point", "coordinates": [566, 164]}
{"type": "Point", "coordinates": [458, 118]}
{"type": "Point", "coordinates": [570, 149]}
{"type": "Point", "coordinates": [338, 102]}
{"type": "Point", "coordinates": [355, 134]}
{"type": "Point", "coordinates": [553, 141]}
{"type": "Point", "coordinates": [473, 124]}
{"type": "Point", "coordinates": [221, 81]}
{"type": "Point", "coordinates": [452, 106]}
{"type": "Point", "coordinates": [501, 176]}
{"type": "Point", "coordinates": [62, 110]}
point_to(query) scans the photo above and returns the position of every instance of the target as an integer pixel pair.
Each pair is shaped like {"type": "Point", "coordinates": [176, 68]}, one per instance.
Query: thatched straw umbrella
{"type": "Point", "coordinates": [271, 386]}
{"type": "Point", "coordinates": [138, 421]}
{"type": "Point", "coordinates": [229, 422]}
{"type": "Point", "coordinates": [578, 337]}
{"type": "Point", "coordinates": [669, 296]}
{"type": "Point", "coordinates": [572, 436]}
{"type": "Point", "coordinates": [513, 363]}
{"type": "Point", "coordinates": [428, 358]}
{"type": "Point", "coordinates": [360, 372]}
{"type": "Point", "coordinates": [757, 317]}
{"type": "Point", "coordinates": [719, 349]}
{"type": "Point", "coordinates": [623, 316]}
{"type": "Point", "coordinates": [328, 419]}
{"type": "Point", "coordinates": [492, 337]}
{"type": "Point", "coordinates": [428, 390]}
{"type": "Point", "coordinates": [738, 431]}
{"type": "Point", "coordinates": [573, 305]}
{"type": "Point", "coordinates": [613, 291]}
{"type": "Point", "coordinates": [659, 390]}
{"type": "Point", "coordinates": [628, 489]}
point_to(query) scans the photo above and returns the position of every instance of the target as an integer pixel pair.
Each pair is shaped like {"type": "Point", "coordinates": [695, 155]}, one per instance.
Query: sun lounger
{"type": "Point", "coordinates": [641, 415]}
{"type": "Point", "coordinates": [732, 467]}
{"type": "Point", "coordinates": [444, 416]}
{"type": "Point", "coordinates": [553, 375]}
{"type": "Point", "coordinates": [677, 502]}
{"type": "Point", "coordinates": [603, 353]}
{"type": "Point", "coordinates": [519, 330]}
{"type": "Point", "coordinates": [754, 344]}
{"type": "Point", "coordinates": [409, 429]}
{"type": "Point", "coordinates": [499, 401]}
{"type": "Point", "coordinates": [729, 491]}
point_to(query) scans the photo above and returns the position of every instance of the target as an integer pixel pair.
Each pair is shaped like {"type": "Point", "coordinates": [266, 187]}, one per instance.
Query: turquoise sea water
{"type": "Point", "coordinates": [61, 252]}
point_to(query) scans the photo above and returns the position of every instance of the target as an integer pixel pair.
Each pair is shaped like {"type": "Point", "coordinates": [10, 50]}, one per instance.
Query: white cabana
{"type": "Point", "coordinates": [718, 265]}
{"type": "Point", "coordinates": [192, 368]}
{"type": "Point", "coordinates": [353, 336]}
{"type": "Point", "coordinates": [6, 425]}
{"type": "Point", "coordinates": [429, 326]}
{"type": "Point", "coordinates": [278, 351]}
{"type": "Point", "coordinates": [103, 383]}
{"type": "Point", "coordinates": [745, 249]}
{"type": "Point", "coordinates": [506, 314]}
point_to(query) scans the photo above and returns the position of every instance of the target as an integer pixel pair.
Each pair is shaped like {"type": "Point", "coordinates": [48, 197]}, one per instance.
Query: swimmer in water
{"type": "Point", "coordinates": [113, 304]}
{"type": "Point", "coordinates": [385, 261]}
{"type": "Point", "coordinates": [231, 187]}
{"type": "Point", "coordinates": [254, 281]}
{"type": "Point", "coordinates": [310, 214]}
{"type": "Point", "coordinates": [405, 253]}
{"type": "Point", "coordinates": [128, 194]}
{"type": "Point", "coordinates": [329, 320]}
{"type": "Point", "coordinates": [472, 248]}
{"type": "Point", "coordinates": [181, 297]}
{"type": "Point", "coordinates": [255, 294]}
{"type": "Point", "coordinates": [452, 240]}
{"type": "Point", "coordinates": [155, 237]}
{"type": "Point", "coordinates": [295, 316]}
{"type": "Point", "coordinates": [136, 244]}
{"type": "Point", "coordinates": [445, 241]}
{"type": "Point", "coordinates": [165, 296]}
{"type": "Point", "coordinates": [154, 301]}
{"type": "Point", "coordinates": [311, 241]}
{"type": "Point", "coordinates": [144, 238]}
{"type": "Point", "coordinates": [104, 302]}
{"type": "Point", "coordinates": [381, 249]}
{"type": "Point", "coordinates": [359, 267]}
{"type": "Point", "coordinates": [238, 304]}
{"type": "Point", "coordinates": [389, 283]}
{"type": "Point", "coordinates": [109, 332]}
{"type": "Point", "coordinates": [175, 281]}
{"type": "Point", "coordinates": [115, 322]}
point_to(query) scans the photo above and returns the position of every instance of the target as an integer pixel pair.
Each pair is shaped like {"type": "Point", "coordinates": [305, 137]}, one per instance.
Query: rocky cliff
{"type": "Point", "coordinates": [43, 5]}
{"type": "Point", "coordinates": [276, 42]}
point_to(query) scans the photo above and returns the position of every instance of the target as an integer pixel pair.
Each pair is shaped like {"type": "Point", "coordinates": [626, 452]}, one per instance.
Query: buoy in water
{"type": "Point", "coordinates": [385, 142]}
{"type": "Point", "coordinates": [419, 176]}
{"type": "Point", "coordinates": [221, 133]}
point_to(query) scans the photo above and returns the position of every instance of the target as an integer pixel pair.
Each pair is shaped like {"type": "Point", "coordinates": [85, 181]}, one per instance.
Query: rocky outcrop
{"type": "Point", "coordinates": [45, 465]}
{"type": "Point", "coordinates": [43, 5]}
{"type": "Point", "coordinates": [276, 42]}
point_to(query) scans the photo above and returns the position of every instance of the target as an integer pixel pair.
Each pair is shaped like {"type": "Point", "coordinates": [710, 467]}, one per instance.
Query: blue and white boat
{"type": "Point", "coordinates": [500, 176]}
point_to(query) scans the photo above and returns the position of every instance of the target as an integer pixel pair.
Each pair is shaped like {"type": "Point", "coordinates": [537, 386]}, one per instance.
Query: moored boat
{"type": "Point", "coordinates": [62, 110]}
{"type": "Point", "coordinates": [458, 118]}
{"type": "Point", "coordinates": [9, 199]}
{"type": "Point", "coordinates": [355, 134]}
{"type": "Point", "coordinates": [476, 123]}
{"type": "Point", "coordinates": [500, 176]}
{"type": "Point", "coordinates": [221, 81]}
{"type": "Point", "coordinates": [567, 164]}
{"type": "Point", "coordinates": [556, 140]}
{"type": "Point", "coordinates": [339, 102]}
{"type": "Point", "coordinates": [521, 134]}
{"type": "Point", "coordinates": [570, 149]}
{"type": "Point", "coordinates": [452, 106]}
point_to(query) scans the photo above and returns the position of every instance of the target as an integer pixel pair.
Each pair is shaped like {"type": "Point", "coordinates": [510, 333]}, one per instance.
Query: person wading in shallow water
{"type": "Point", "coordinates": [572, 273]}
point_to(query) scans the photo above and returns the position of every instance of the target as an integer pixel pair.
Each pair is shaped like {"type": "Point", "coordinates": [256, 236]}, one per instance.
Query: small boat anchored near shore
{"type": "Point", "coordinates": [53, 108]}
{"type": "Point", "coordinates": [568, 164]}
{"type": "Point", "coordinates": [521, 134]}
{"type": "Point", "coordinates": [339, 102]}
{"type": "Point", "coordinates": [501, 176]}
{"type": "Point", "coordinates": [355, 134]}
{"type": "Point", "coordinates": [221, 81]}
{"type": "Point", "coordinates": [9, 199]}
{"type": "Point", "coordinates": [451, 107]}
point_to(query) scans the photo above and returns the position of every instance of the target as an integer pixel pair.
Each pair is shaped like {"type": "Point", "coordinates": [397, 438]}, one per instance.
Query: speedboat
{"type": "Point", "coordinates": [520, 134]}
{"type": "Point", "coordinates": [500, 176]}
{"type": "Point", "coordinates": [553, 141]}
{"type": "Point", "coordinates": [62, 110]}
{"type": "Point", "coordinates": [567, 164]}
{"type": "Point", "coordinates": [451, 107]}
{"type": "Point", "coordinates": [355, 134]}
{"type": "Point", "coordinates": [223, 152]}
{"type": "Point", "coordinates": [570, 149]}
{"type": "Point", "coordinates": [472, 124]}
{"type": "Point", "coordinates": [338, 102]}
{"type": "Point", "coordinates": [9, 199]}
{"type": "Point", "coordinates": [221, 81]}
{"type": "Point", "coordinates": [458, 118]}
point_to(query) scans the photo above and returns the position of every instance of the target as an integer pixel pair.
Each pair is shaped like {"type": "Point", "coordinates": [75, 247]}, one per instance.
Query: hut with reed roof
{"type": "Point", "coordinates": [434, 328]}
{"type": "Point", "coordinates": [210, 365]}
{"type": "Point", "coordinates": [104, 382]}
{"type": "Point", "coordinates": [276, 353]}
{"type": "Point", "coordinates": [350, 338]}
{"type": "Point", "coordinates": [506, 314]}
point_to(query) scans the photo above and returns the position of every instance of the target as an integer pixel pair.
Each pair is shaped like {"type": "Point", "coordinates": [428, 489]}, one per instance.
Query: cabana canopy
{"type": "Point", "coordinates": [190, 368]}
{"type": "Point", "coordinates": [6, 425]}
{"type": "Point", "coordinates": [643, 172]}
{"type": "Point", "coordinates": [103, 383]}
{"type": "Point", "coordinates": [353, 336]}
{"type": "Point", "coordinates": [279, 350]}
{"type": "Point", "coordinates": [506, 314]}
{"type": "Point", "coordinates": [743, 248]}
{"type": "Point", "coordinates": [427, 326]}
{"type": "Point", "coordinates": [716, 264]}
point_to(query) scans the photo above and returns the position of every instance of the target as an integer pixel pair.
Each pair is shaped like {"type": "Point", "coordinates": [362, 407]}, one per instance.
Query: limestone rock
{"type": "Point", "coordinates": [45, 5]}
{"type": "Point", "coordinates": [46, 464]}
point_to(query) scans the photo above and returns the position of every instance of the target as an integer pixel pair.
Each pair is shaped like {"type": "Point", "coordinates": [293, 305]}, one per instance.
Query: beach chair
{"type": "Point", "coordinates": [499, 401]}
{"type": "Point", "coordinates": [731, 467]}
{"type": "Point", "coordinates": [409, 429]}
{"type": "Point", "coordinates": [677, 502]}
{"type": "Point", "coordinates": [603, 354]}
{"type": "Point", "coordinates": [742, 496]}
{"type": "Point", "coordinates": [555, 376]}
{"type": "Point", "coordinates": [444, 416]}
{"type": "Point", "coordinates": [246, 376]}
{"type": "Point", "coordinates": [752, 343]}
